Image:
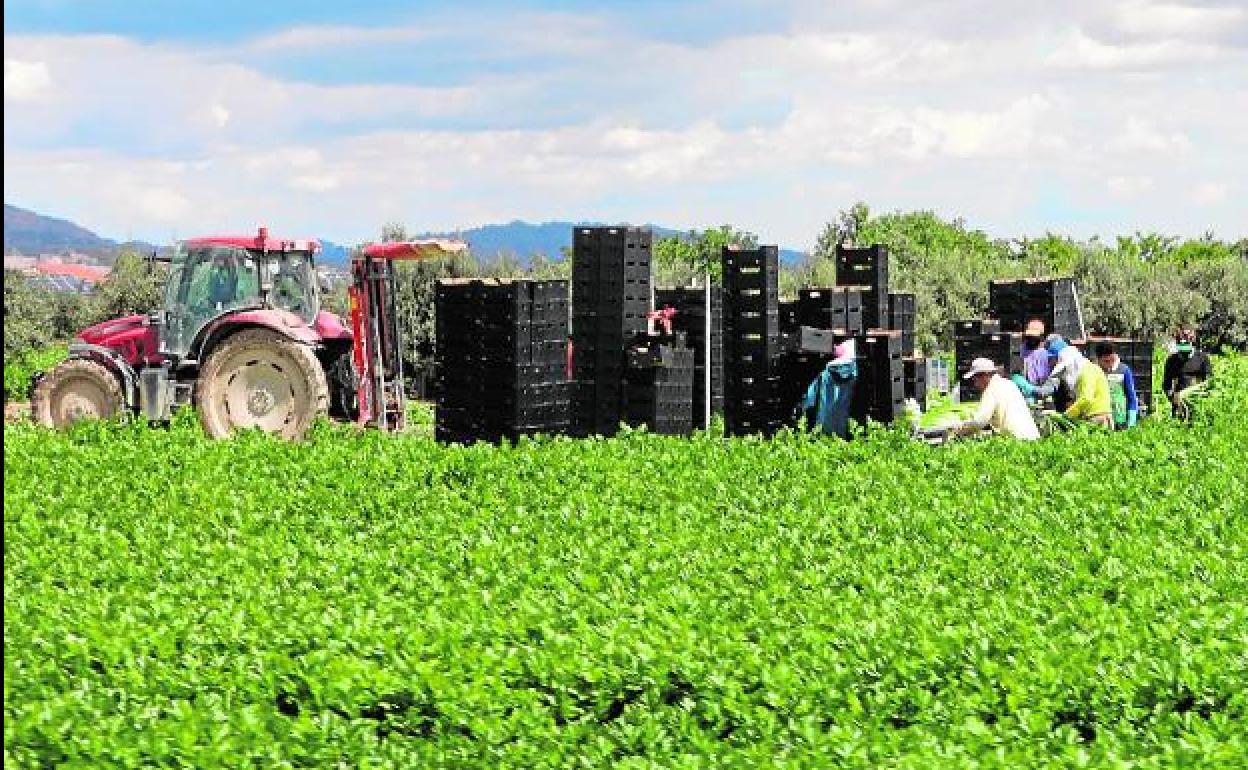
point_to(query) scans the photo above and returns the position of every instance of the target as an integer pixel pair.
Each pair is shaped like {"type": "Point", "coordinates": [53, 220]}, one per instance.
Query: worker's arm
{"type": "Point", "coordinates": [982, 416]}
{"type": "Point", "coordinates": [1082, 406]}
{"type": "Point", "coordinates": [1170, 377]}
{"type": "Point", "coordinates": [1133, 401]}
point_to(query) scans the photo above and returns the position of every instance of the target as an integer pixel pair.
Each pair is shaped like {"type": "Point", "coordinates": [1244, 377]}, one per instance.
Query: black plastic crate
{"type": "Point", "coordinates": [973, 328]}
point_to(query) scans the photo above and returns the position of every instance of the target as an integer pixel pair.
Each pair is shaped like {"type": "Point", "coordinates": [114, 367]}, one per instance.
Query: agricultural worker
{"type": "Point", "coordinates": [828, 398]}
{"type": "Point", "coordinates": [1037, 365]}
{"type": "Point", "coordinates": [1063, 377]}
{"type": "Point", "coordinates": [1186, 369]}
{"type": "Point", "coordinates": [1001, 405]}
{"type": "Point", "coordinates": [1091, 388]}
{"type": "Point", "coordinates": [1122, 396]}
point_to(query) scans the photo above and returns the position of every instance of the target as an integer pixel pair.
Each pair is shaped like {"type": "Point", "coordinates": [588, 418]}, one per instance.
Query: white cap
{"type": "Point", "coordinates": [981, 366]}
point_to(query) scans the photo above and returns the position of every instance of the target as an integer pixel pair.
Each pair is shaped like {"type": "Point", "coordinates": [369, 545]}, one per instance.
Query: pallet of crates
{"type": "Point", "coordinates": [968, 344]}
{"type": "Point", "coordinates": [914, 379]}
{"type": "Point", "coordinates": [497, 352]}
{"type": "Point", "coordinates": [1051, 300]}
{"type": "Point", "coordinates": [611, 268]}
{"type": "Point", "coordinates": [752, 340]}
{"type": "Point", "coordinates": [879, 394]}
{"type": "Point", "coordinates": [690, 306]}
{"type": "Point", "coordinates": [867, 267]}
{"type": "Point", "coordinates": [659, 386]}
{"type": "Point", "coordinates": [902, 308]}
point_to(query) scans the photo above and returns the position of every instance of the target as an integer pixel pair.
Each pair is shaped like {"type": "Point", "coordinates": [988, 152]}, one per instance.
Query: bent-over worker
{"type": "Point", "coordinates": [1001, 405]}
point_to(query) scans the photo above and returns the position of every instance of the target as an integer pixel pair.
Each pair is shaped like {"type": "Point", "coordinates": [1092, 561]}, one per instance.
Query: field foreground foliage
{"type": "Point", "coordinates": [373, 601]}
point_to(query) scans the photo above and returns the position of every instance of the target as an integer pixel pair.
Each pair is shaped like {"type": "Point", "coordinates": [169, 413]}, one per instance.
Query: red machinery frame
{"type": "Point", "coordinates": [377, 347]}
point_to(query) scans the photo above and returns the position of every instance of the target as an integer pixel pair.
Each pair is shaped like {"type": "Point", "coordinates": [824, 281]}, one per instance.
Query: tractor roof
{"type": "Point", "coordinates": [260, 241]}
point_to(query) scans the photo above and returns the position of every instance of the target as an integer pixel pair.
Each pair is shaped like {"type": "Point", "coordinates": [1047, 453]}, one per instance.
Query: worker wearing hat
{"type": "Point", "coordinates": [1085, 380]}
{"type": "Point", "coordinates": [1001, 405]}
{"type": "Point", "coordinates": [1034, 379]}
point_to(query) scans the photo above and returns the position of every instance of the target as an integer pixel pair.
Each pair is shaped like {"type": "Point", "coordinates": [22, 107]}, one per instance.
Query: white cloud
{"type": "Point", "coordinates": [1147, 18]}
{"type": "Point", "coordinates": [220, 115]}
{"type": "Point", "coordinates": [984, 109]}
{"type": "Point", "coordinates": [1141, 135]}
{"type": "Point", "coordinates": [1210, 193]}
{"type": "Point", "coordinates": [1081, 51]}
{"type": "Point", "coordinates": [25, 80]}
{"type": "Point", "coordinates": [316, 183]}
{"type": "Point", "coordinates": [1129, 186]}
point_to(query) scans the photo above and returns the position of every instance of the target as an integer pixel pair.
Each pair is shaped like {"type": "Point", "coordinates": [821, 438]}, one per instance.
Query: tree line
{"type": "Point", "coordinates": [1143, 284]}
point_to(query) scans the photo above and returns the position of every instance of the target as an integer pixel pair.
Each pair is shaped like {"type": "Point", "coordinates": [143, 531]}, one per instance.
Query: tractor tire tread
{"type": "Point", "coordinates": [41, 405]}
{"type": "Point", "coordinates": [302, 354]}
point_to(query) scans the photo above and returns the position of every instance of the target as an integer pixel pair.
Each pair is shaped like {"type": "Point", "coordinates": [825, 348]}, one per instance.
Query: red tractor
{"type": "Point", "coordinates": [242, 336]}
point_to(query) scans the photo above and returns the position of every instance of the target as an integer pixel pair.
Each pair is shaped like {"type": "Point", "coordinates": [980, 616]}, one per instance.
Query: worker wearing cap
{"type": "Point", "coordinates": [1001, 405]}
{"type": "Point", "coordinates": [1089, 385]}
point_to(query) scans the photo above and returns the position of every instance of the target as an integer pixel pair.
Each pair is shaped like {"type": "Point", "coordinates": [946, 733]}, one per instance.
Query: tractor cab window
{"type": "Point", "coordinates": [205, 283]}
{"type": "Point", "coordinates": [294, 283]}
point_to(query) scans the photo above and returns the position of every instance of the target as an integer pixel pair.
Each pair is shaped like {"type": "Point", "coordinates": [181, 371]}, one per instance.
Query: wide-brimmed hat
{"type": "Point", "coordinates": [981, 366]}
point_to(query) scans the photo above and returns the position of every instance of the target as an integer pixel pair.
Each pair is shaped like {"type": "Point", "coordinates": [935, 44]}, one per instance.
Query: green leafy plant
{"type": "Point", "coordinates": [368, 600]}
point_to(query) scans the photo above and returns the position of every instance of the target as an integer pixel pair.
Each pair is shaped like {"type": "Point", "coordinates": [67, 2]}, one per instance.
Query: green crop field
{"type": "Point", "coordinates": [363, 600]}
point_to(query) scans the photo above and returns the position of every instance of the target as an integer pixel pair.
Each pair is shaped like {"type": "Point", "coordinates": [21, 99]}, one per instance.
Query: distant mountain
{"type": "Point", "coordinates": [28, 233]}
{"type": "Point", "coordinates": [524, 240]}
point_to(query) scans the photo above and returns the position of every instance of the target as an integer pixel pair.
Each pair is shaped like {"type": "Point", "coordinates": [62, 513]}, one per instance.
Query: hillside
{"type": "Point", "coordinates": [27, 232]}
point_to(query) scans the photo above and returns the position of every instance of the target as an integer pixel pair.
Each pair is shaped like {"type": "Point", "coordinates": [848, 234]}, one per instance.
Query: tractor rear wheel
{"type": "Point", "coordinates": [76, 389]}
{"type": "Point", "coordinates": [260, 379]}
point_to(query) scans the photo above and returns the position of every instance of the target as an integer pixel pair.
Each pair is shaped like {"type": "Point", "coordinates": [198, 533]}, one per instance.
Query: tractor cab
{"type": "Point", "coordinates": [212, 278]}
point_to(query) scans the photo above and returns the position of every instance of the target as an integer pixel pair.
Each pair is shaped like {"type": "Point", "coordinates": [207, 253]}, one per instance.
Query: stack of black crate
{"type": "Point", "coordinates": [879, 394]}
{"type": "Point", "coordinates": [914, 379]}
{"type": "Point", "coordinates": [835, 308]}
{"type": "Point", "coordinates": [1051, 300]}
{"type": "Point", "coordinates": [500, 353]}
{"type": "Point", "coordinates": [690, 319]}
{"type": "Point", "coordinates": [1137, 353]}
{"type": "Point", "coordinates": [868, 268]}
{"type": "Point", "coordinates": [610, 300]}
{"type": "Point", "coordinates": [902, 309]}
{"type": "Point", "coordinates": [968, 344]}
{"type": "Point", "coordinates": [901, 314]}
{"type": "Point", "coordinates": [659, 385]}
{"type": "Point", "coordinates": [789, 320]}
{"type": "Point", "coordinates": [752, 341]}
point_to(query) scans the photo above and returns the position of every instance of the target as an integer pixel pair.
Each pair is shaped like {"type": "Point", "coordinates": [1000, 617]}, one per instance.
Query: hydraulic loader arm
{"type": "Point", "coordinates": [377, 347]}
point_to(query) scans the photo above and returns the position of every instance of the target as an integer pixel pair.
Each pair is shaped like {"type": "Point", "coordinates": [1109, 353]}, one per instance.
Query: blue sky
{"type": "Point", "coordinates": [165, 119]}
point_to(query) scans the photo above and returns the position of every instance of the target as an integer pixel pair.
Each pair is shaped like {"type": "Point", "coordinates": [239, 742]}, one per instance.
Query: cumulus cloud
{"type": "Point", "coordinates": [25, 80]}
{"type": "Point", "coordinates": [985, 109]}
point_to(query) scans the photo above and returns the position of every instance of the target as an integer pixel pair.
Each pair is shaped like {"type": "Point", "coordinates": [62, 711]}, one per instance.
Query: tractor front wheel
{"type": "Point", "coordinates": [259, 379]}
{"type": "Point", "coordinates": [76, 389]}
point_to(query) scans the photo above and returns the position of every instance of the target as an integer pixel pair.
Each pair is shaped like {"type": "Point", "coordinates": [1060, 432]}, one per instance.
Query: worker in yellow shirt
{"type": "Point", "coordinates": [1092, 401]}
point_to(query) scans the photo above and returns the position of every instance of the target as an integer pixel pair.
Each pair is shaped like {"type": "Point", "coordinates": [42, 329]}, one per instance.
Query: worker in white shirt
{"type": "Point", "coordinates": [1001, 405]}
